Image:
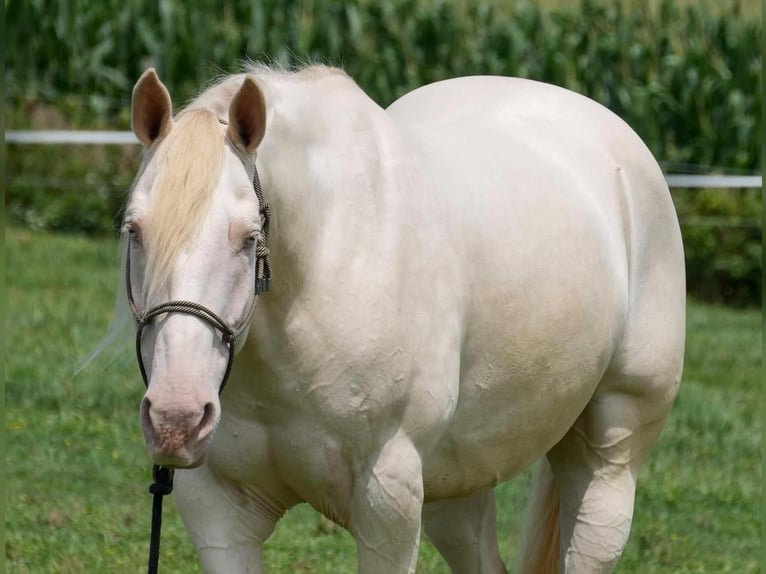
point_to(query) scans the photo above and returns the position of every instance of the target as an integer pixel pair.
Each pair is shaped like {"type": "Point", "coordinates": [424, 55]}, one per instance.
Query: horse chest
{"type": "Point", "coordinates": [288, 460]}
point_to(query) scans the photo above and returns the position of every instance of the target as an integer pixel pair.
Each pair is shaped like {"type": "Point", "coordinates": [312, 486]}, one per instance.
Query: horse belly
{"type": "Point", "coordinates": [504, 422]}
{"type": "Point", "coordinates": [541, 325]}
{"type": "Point", "coordinates": [524, 380]}
{"type": "Point", "coordinates": [544, 259]}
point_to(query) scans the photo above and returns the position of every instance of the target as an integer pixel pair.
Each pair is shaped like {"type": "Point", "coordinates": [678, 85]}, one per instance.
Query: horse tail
{"type": "Point", "coordinates": [540, 553]}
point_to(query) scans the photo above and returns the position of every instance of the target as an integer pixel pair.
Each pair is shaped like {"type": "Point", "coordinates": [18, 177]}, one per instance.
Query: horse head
{"type": "Point", "coordinates": [193, 230]}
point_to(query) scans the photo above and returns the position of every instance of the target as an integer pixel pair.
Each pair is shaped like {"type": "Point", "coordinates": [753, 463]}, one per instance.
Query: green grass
{"type": "Point", "coordinates": [77, 474]}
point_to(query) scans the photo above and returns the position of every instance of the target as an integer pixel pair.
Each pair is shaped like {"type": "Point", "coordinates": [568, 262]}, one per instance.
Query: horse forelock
{"type": "Point", "coordinates": [188, 166]}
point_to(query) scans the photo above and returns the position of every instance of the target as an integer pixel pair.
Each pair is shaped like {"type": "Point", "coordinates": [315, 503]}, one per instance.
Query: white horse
{"type": "Point", "coordinates": [486, 273]}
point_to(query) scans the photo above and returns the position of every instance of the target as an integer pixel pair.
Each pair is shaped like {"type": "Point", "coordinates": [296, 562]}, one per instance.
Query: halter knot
{"type": "Point", "coordinates": [163, 480]}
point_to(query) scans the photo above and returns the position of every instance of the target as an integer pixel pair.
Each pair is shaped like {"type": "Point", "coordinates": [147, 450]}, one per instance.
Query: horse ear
{"type": "Point", "coordinates": [247, 116]}
{"type": "Point", "coordinates": [152, 108]}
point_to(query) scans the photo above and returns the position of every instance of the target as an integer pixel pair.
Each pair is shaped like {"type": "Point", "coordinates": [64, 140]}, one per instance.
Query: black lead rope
{"type": "Point", "coordinates": [162, 486]}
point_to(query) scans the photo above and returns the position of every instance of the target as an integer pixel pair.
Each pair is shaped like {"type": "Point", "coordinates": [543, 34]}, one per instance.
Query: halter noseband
{"type": "Point", "coordinates": [229, 335]}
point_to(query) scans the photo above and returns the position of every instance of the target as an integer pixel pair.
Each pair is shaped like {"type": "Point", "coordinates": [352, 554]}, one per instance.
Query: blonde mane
{"type": "Point", "coordinates": [189, 162]}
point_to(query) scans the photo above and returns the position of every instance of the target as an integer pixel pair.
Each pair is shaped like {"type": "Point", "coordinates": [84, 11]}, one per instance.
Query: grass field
{"type": "Point", "coordinates": [77, 474]}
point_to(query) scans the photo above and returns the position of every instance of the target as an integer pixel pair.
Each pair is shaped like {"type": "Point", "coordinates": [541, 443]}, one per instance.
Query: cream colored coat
{"type": "Point", "coordinates": [485, 273]}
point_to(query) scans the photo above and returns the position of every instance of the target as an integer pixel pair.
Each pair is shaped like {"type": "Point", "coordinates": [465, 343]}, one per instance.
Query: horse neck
{"type": "Point", "coordinates": [321, 167]}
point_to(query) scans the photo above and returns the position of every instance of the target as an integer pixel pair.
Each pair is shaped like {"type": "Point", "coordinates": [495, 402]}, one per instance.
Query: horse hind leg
{"type": "Point", "coordinates": [596, 465]}
{"type": "Point", "coordinates": [541, 539]}
{"type": "Point", "coordinates": [464, 530]}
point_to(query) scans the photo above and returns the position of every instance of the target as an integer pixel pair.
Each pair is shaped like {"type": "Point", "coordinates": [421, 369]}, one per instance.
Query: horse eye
{"type": "Point", "coordinates": [133, 232]}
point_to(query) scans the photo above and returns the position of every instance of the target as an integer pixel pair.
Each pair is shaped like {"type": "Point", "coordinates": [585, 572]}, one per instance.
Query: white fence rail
{"type": "Point", "coordinates": [69, 137]}
{"type": "Point", "coordinates": [79, 137]}
{"type": "Point", "coordinates": [714, 181]}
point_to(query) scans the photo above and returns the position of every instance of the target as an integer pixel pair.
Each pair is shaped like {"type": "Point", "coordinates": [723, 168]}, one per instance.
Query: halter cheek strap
{"type": "Point", "coordinates": [262, 266]}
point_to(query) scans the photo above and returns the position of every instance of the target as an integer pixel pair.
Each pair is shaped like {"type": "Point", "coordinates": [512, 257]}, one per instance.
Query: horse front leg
{"type": "Point", "coordinates": [227, 523]}
{"type": "Point", "coordinates": [385, 510]}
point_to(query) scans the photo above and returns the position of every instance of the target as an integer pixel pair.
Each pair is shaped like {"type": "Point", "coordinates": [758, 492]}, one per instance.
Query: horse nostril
{"type": "Point", "coordinates": [146, 406]}
{"type": "Point", "coordinates": [207, 414]}
{"type": "Point", "coordinates": [207, 423]}
{"type": "Point", "coordinates": [162, 422]}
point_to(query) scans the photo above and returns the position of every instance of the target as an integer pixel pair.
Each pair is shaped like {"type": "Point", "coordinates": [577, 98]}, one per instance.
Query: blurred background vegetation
{"type": "Point", "coordinates": [685, 75]}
